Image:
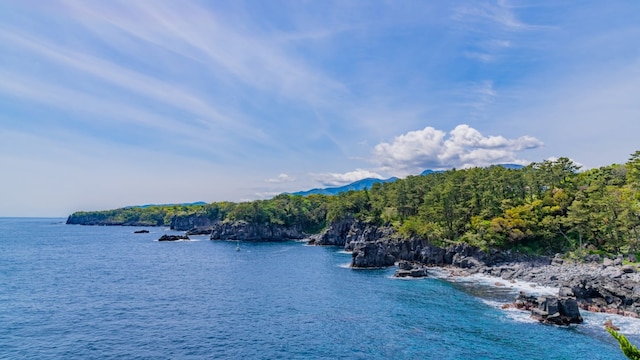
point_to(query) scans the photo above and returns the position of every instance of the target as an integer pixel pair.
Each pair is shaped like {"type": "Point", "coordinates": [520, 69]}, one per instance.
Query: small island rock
{"type": "Point", "coordinates": [173, 237]}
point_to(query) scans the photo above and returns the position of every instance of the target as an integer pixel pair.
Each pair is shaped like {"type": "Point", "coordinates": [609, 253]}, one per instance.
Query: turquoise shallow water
{"type": "Point", "coordinates": [80, 292]}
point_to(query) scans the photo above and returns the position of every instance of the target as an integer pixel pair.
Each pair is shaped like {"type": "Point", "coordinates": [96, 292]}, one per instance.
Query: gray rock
{"type": "Point", "coordinates": [565, 292]}
{"type": "Point", "coordinates": [408, 269]}
{"type": "Point", "coordinates": [371, 255]}
{"type": "Point", "coordinates": [186, 222]}
{"type": "Point", "coordinates": [245, 231]}
{"type": "Point", "coordinates": [173, 237]}
{"type": "Point", "coordinates": [551, 309]}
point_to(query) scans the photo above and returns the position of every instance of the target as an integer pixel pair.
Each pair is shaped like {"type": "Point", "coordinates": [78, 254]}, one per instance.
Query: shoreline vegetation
{"type": "Point", "coordinates": [546, 223]}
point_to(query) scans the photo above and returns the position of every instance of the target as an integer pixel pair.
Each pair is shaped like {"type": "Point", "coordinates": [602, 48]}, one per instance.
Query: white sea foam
{"type": "Point", "coordinates": [511, 312]}
{"type": "Point", "coordinates": [345, 252]}
{"type": "Point", "coordinates": [492, 281]}
{"type": "Point", "coordinates": [405, 278]}
{"type": "Point", "coordinates": [627, 325]}
{"type": "Point", "coordinates": [346, 266]}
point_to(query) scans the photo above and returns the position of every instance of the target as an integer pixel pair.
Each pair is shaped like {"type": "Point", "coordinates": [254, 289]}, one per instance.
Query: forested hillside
{"type": "Point", "coordinates": [545, 207]}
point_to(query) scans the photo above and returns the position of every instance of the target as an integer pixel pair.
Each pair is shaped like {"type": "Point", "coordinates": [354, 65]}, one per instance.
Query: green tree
{"type": "Point", "coordinates": [628, 349]}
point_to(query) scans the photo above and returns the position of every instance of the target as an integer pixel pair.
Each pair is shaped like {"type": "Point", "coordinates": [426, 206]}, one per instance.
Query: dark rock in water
{"type": "Point", "coordinates": [371, 255]}
{"type": "Point", "coordinates": [409, 269]}
{"type": "Point", "coordinates": [173, 237]}
{"type": "Point", "coordinates": [141, 232]}
{"type": "Point", "coordinates": [550, 309]}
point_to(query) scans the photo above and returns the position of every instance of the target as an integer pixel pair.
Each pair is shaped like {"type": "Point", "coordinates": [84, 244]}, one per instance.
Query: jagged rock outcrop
{"type": "Point", "coordinates": [557, 310]}
{"type": "Point", "coordinates": [245, 231]}
{"type": "Point", "coordinates": [346, 232]}
{"type": "Point", "coordinates": [371, 254]}
{"type": "Point", "coordinates": [607, 294]}
{"type": "Point", "coordinates": [410, 269]}
{"type": "Point", "coordinates": [190, 221]}
{"type": "Point", "coordinates": [599, 284]}
{"type": "Point", "coordinates": [173, 237]}
{"type": "Point", "coordinates": [101, 220]}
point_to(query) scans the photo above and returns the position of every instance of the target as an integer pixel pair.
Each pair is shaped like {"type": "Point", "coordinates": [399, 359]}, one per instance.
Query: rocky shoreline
{"type": "Point", "coordinates": [597, 284]}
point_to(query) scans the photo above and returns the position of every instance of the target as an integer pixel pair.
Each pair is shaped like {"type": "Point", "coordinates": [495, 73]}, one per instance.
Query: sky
{"type": "Point", "coordinates": [105, 104]}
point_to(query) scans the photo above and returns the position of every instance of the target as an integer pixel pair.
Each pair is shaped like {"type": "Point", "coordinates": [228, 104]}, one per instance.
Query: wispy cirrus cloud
{"type": "Point", "coordinates": [194, 31]}
{"type": "Point", "coordinates": [499, 13]}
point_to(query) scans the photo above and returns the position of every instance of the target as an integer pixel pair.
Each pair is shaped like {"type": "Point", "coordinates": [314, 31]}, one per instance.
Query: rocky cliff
{"type": "Point", "coordinates": [93, 219]}
{"type": "Point", "coordinates": [242, 230]}
{"type": "Point", "coordinates": [188, 222]}
{"type": "Point", "coordinates": [603, 285]}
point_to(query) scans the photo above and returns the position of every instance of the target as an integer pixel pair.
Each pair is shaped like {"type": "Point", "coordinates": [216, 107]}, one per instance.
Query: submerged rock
{"type": "Point", "coordinates": [173, 237]}
{"type": "Point", "coordinates": [141, 231]}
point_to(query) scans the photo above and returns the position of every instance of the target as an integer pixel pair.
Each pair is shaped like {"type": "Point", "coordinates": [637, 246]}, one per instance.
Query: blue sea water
{"type": "Point", "coordinates": [83, 292]}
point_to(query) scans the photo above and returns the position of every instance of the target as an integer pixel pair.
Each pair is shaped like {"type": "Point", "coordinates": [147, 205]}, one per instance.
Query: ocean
{"type": "Point", "coordinates": [93, 292]}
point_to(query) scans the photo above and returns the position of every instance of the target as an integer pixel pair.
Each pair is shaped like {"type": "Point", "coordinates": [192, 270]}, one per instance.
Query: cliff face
{"type": "Point", "coordinates": [380, 246]}
{"type": "Point", "coordinates": [242, 230]}
{"type": "Point", "coordinates": [188, 222]}
{"type": "Point", "coordinates": [91, 219]}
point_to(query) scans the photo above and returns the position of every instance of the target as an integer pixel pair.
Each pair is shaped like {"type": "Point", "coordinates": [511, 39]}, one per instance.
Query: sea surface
{"type": "Point", "coordinates": [93, 292]}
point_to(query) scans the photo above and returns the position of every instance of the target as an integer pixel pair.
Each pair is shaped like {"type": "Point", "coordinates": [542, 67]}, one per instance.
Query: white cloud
{"type": "Point", "coordinates": [263, 195]}
{"type": "Point", "coordinates": [337, 179]}
{"type": "Point", "coordinates": [464, 147]}
{"type": "Point", "coordinates": [282, 178]}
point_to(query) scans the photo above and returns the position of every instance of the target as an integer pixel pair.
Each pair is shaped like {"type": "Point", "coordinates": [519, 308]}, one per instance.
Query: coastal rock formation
{"type": "Point", "coordinates": [555, 310]}
{"type": "Point", "coordinates": [601, 287]}
{"type": "Point", "coordinates": [242, 230]}
{"type": "Point", "coordinates": [371, 255]}
{"type": "Point", "coordinates": [143, 231]}
{"type": "Point", "coordinates": [346, 232]}
{"type": "Point", "coordinates": [100, 220]}
{"type": "Point", "coordinates": [189, 221]}
{"type": "Point", "coordinates": [173, 237]}
{"type": "Point", "coordinates": [200, 230]}
{"type": "Point", "coordinates": [410, 269]}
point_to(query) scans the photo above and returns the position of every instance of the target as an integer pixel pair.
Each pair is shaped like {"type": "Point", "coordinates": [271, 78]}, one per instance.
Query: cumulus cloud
{"type": "Point", "coordinates": [282, 178]}
{"type": "Point", "coordinates": [337, 179]}
{"type": "Point", "coordinates": [462, 147]}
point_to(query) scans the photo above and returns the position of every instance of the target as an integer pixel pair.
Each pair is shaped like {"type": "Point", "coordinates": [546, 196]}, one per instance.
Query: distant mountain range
{"type": "Point", "coordinates": [358, 185]}
{"type": "Point", "coordinates": [368, 182]}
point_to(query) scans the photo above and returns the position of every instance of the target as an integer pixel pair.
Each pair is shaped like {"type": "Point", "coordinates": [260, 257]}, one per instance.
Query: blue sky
{"type": "Point", "coordinates": [106, 104]}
